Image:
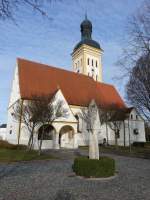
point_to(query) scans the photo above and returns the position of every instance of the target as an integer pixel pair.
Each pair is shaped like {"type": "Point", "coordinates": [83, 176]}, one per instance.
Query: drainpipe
{"type": "Point", "coordinates": [19, 129]}
{"type": "Point", "coordinates": [129, 136]}
{"type": "Point", "coordinates": [124, 133]}
{"type": "Point", "coordinates": [107, 134]}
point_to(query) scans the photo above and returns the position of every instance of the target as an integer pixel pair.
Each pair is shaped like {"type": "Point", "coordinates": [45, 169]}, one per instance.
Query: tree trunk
{"type": "Point", "coordinates": [40, 146]}
{"type": "Point", "coordinates": [116, 141]}
{"type": "Point", "coordinates": [41, 140]}
{"type": "Point", "coordinates": [28, 147]}
{"type": "Point", "coordinates": [107, 134]}
{"type": "Point", "coordinates": [30, 142]}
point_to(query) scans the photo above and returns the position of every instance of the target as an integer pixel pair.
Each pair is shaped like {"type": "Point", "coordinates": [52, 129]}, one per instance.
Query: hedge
{"type": "Point", "coordinates": [104, 167]}
{"type": "Point", "coordinates": [138, 144]}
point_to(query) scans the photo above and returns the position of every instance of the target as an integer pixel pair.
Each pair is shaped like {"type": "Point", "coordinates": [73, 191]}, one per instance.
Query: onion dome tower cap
{"type": "Point", "coordinates": [86, 35]}
{"type": "Point", "coordinates": [86, 29]}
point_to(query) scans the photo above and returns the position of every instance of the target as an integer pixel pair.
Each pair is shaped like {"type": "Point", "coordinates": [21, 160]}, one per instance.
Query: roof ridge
{"type": "Point", "coordinates": [78, 89]}
{"type": "Point", "coordinates": [54, 67]}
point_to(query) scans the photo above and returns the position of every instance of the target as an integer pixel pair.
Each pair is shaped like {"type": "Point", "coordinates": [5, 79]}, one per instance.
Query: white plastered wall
{"type": "Point", "coordinates": [103, 131]}
{"type": "Point", "coordinates": [12, 125]}
{"type": "Point", "coordinates": [2, 133]}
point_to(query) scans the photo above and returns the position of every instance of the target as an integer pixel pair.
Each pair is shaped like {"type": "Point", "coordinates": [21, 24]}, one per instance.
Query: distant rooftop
{"type": "Point", "coordinates": [3, 125]}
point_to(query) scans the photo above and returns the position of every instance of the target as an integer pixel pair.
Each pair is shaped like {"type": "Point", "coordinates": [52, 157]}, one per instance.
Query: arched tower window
{"type": "Point", "coordinates": [92, 62]}
{"type": "Point", "coordinates": [96, 63]}
{"type": "Point", "coordinates": [88, 61]}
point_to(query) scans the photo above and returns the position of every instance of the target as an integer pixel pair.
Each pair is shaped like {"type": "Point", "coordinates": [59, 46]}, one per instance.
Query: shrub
{"type": "Point", "coordinates": [147, 144]}
{"type": "Point", "coordinates": [104, 167]}
{"type": "Point", "coordinates": [5, 144]}
{"type": "Point", "coordinates": [138, 144]}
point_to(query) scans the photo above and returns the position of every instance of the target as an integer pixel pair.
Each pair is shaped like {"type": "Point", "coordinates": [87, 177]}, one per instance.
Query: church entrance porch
{"type": "Point", "coordinates": [48, 136]}
{"type": "Point", "coordinates": [66, 137]}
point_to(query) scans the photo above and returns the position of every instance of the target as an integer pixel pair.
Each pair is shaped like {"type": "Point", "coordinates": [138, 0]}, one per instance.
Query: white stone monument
{"type": "Point", "coordinates": [92, 123]}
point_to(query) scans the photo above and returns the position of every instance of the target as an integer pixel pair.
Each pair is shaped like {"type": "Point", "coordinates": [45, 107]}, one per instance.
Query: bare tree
{"type": "Point", "coordinates": [147, 131]}
{"type": "Point", "coordinates": [138, 40]}
{"type": "Point", "coordinates": [9, 7]}
{"type": "Point", "coordinates": [48, 109]}
{"type": "Point", "coordinates": [26, 114]}
{"type": "Point", "coordinates": [115, 126]}
{"type": "Point", "coordinates": [42, 110]}
{"type": "Point", "coordinates": [114, 117]}
{"type": "Point", "coordinates": [138, 86]}
{"type": "Point", "coordinates": [135, 60]}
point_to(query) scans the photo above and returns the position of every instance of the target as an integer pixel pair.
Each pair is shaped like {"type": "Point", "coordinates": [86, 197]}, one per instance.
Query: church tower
{"type": "Point", "coordinates": [86, 56]}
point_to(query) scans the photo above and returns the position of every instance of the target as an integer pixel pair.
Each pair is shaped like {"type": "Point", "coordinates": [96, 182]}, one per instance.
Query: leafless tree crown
{"type": "Point", "coordinates": [138, 87]}
{"type": "Point", "coordinates": [9, 7]}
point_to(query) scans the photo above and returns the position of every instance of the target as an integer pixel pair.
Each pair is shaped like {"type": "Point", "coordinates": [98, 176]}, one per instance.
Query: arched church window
{"type": "Point", "coordinates": [88, 61]}
{"type": "Point", "coordinates": [92, 62]}
{"type": "Point", "coordinates": [131, 116]}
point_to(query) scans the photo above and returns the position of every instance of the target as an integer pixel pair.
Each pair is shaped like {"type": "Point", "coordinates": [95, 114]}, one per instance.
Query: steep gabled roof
{"type": "Point", "coordinates": [39, 79]}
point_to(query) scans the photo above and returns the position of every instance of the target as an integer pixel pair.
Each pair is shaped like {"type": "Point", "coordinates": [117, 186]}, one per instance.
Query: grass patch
{"type": "Point", "coordinates": [104, 167]}
{"type": "Point", "coordinates": [84, 147]}
{"type": "Point", "coordinates": [13, 155]}
{"type": "Point", "coordinates": [122, 149]}
{"type": "Point", "coordinates": [6, 145]}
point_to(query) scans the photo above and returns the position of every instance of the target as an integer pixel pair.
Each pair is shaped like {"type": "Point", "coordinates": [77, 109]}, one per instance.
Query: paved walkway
{"type": "Point", "coordinates": [44, 180]}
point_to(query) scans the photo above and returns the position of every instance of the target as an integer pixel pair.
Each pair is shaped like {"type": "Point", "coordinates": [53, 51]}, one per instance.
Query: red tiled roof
{"type": "Point", "coordinates": [39, 79]}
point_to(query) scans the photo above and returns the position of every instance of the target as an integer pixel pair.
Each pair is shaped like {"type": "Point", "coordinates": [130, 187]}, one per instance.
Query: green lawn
{"type": "Point", "coordinates": [143, 152]}
{"type": "Point", "coordinates": [13, 155]}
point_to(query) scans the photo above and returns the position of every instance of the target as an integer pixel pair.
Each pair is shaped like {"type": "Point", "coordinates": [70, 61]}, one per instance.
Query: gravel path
{"type": "Point", "coordinates": [44, 180]}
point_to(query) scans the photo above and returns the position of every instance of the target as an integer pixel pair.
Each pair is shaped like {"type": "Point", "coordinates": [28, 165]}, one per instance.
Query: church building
{"type": "Point", "coordinates": [76, 89]}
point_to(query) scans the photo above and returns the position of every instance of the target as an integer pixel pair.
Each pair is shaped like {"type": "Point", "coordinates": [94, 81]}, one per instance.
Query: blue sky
{"type": "Point", "coordinates": [51, 42]}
